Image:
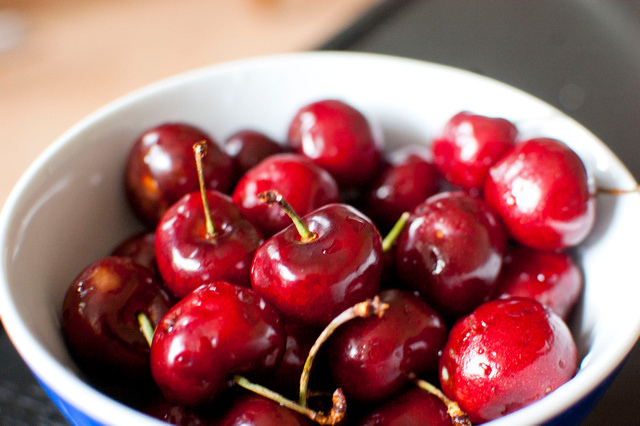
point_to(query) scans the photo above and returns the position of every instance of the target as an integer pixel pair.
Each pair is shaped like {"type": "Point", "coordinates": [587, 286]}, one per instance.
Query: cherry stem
{"type": "Point", "coordinates": [393, 235]}
{"type": "Point", "coordinates": [146, 327]}
{"type": "Point", "coordinates": [459, 417]}
{"type": "Point", "coordinates": [337, 413]}
{"type": "Point", "coordinates": [200, 150]}
{"type": "Point", "coordinates": [274, 197]}
{"type": "Point", "coordinates": [618, 191]}
{"type": "Point", "coordinates": [363, 309]}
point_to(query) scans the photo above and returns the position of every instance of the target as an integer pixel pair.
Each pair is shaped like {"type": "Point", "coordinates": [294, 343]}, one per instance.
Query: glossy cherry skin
{"type": "Point", "coordinates": [255, 410]}
{"type": "Point", "coordinates": [412, 407]}
{"type": "Point", "coordinates": [249, 147]}
{"type": "Point", "coordinates": [141, 248]}
{"type": "Point", "coordinates": [161, 168]}
{"type": "Point", "coordinates": [506, 355]}
{"type": "Point", "coordinates": [99, 318]}
{"type": "Point", "coordinates": [312, 282]}
{"type": "Point", "coordinates": [217, 330]}
{"type": "Point", "coordinates": [542, 192]}
{"type": "Point", "coordinates": [551, 278]}
{"type": "Point", "coordinates": [304, 185]}
{"type": "Point", "coordinates": [373, 358]}
{"type": "Point", "coordinates": [187, 257]}
{"type": "Point", "coordinates": [469, 145]}
{"type": "Point", "coordinates": [407, 179]}
{"type": "Point", "coordinates": [338, 138]}
{"type": "Point", "coordinates": [451, 252]}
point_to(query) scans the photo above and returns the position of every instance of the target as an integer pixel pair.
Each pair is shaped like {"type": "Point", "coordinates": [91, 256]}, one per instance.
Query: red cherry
{"type": "Point", "coordinates": [100, 318]}
{"type": "Point", "coordinates": [255, 410]}
{"type": "Point", "coordinates": [217, 330]}
{"type": "Point", "coordinates": [451, 252]}
{"type": "Point", "coordinates": [160, 169]}
{"type": "Point", "coordinates": [505, 355]}
{"type": "Point", "coordinates": [551, 278]}
{"type": "Point", "coordinates": [541, 191]}
{"type": "Point", "coordinates": [305, 186]}
{"type": "Point", "coordinates": [408, 179]}
{"type": "Point", "coordinates": [188, 256]}
{"type": "Point", "coordinates": [249, 147]}
{"type": "Point", "coordinates": [312, 282]}
{"type": "Point", "coordinates": [412, 407]}
{"type": "Point", "coordinates": [338, 138]}
{"type": "Point", "coordinates": [141, 248]}
{"type": "Point", "coordinates": [469, 145]}
{"type": "Point", "coordinates": [374, 358]}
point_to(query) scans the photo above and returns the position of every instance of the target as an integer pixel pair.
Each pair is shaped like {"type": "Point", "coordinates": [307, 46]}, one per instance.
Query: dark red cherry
{"type": "Point", "coordinates": [412, 407]}
{"type": "Point", "coordinates": [451, 252]}
{"type": "Point", "coordinates": [542, 192]}
{"type": "Point", "coordinates": [408, 179]}
{"type": "Point", "coordinates": [141, 248]}
{"type": "Point", "coordinates": [249, 147]}
{"type": "Point", "coordinates": [551, 278]}
{"type": "Point", "coordinates": [304, 185]}
{"type": "Point", "coordinates": [469, 145]}
{"type": "Point", "coordinates": [255, 410]}
{"type": "Point", "coordinates": [100, 318]}
{"type": "Point", "coordinates": [506, 355]}
{"type": "Point", "coordinates": [188, 256]}
{"type": "Point", "coordinates": [373, 358]}
{"type": "Point", "coordinates": [217, 330]}
{"type": "Point", "coordinates": [160, 169]}
{"type": "Point", "coordinates": [312, 282]}
{"type": "Point", "coordinates": [338, 138]}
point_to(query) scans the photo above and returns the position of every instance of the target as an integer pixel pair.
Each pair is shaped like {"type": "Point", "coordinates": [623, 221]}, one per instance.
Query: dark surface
{"type": "Point", "coordinates": [580, 56]}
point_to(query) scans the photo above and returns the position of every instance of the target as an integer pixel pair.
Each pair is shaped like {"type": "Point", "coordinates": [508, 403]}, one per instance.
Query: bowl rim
{"type": "Point", "coordinates": [48, 370]}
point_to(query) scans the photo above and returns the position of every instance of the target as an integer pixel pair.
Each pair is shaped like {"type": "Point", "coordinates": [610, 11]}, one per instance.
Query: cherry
{"type": "Point", "coordinates": [140, 247]}
{"type": "Point", "coordinates": [198, 242]}
{"type": "Point", "coordinates": [305, 186]}
{"type": "Point", "coordinates": [255, 410]}
{"type": "Point", "coordinates": [373, 358]}
{"type": "Point", "coordinates": [505, 355]}
{"type": "Point", "coordinates": [160, 169]}
{"type": "Point", "coordinates": [412, 407]}
{"type": "Point", "coordinates": [338, 138]}
{"type": "Point", "coordinates": [551, 278]}
{"type": "Point", "coordinates": [329, 261]}
{"type": "Point", "coordinates": [217, 330]}
{"type": "Point", "coordinates": [249, 147]}
{"type": "Point", "coordinates": [407, 179]}
{"type": "Point", "coordinates": [541, 191]}
{"type": "Point", "coordinates": [451, 252]}
{"type": "Point", "coordinates": [469, 145]}
{"type": "Point", "coordinates": [100, 318]}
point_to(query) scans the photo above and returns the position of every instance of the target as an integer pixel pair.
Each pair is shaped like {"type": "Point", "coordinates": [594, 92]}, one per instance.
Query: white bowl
{"type": "Point", "coordinates": [69, 207]}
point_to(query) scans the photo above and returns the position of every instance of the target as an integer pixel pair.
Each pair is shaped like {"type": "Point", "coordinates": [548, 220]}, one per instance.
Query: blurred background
{"type": "Point", "coordinates": [62, 59]}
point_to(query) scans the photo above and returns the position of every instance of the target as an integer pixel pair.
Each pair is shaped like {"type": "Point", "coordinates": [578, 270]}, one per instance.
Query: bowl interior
{"type": "Point", "coordinates": [69, 208]}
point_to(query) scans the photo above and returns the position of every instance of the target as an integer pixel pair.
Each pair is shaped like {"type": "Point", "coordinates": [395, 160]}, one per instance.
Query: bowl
{"type": "Point", "coordinates": [69, 207]}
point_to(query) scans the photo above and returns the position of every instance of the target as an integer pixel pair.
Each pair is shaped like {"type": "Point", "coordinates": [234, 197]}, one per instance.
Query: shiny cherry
{"type": "Point", "coordinates": [312, 280]}
{"type": "Point", "coordinates": [100, 318]}
{"type": "Point", "coordinates": [305, 186]}
{"type": "Point", "coordinates": [373, 358]}
{"type": "Point", "coordinates": [338, 138]}
{"type": "Point", "coordinates": [551, 278]}
{"type": "Point", "coordinates": [506, 355]}
{"type": "Point", "coordinates": [188, 255]}
{"type": "Point", "coordinates": [412, 407]}
{"type": "Point", "coordinates": [255, 410]}
{"type": "Point", "coordinates": [249, 147]}
{"type": "Point", "coordinates": [140, 247]}
{"type": "Point", "coordinates": [469, 145]}
{"type": "Point", "coordinates": [407, 179]}
{"type": "Point", "coordinates": [160, 169]}
{"type": "Point", "coordinates": [217, 330]}
{"type": "Point", "coordinates": [451, 252]}
{"type": "Point", "coordinates": [542, 192]}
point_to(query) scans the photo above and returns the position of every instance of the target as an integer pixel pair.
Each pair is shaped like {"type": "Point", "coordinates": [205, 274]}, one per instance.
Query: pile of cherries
{"type": "Point", "coordinates": [324, 279]}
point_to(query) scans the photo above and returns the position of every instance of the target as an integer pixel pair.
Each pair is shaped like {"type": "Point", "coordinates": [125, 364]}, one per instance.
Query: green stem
{"type": "Point", "coordinates": [274, 197]}
{"type": "Point", "coordinates": [200, 150]}
{"type": "Point", "coordinates": [146, 327]}
{"type": "Point", "coordinates": [393, 235]}
{"type": "Point", "coordinates": [459, 417]}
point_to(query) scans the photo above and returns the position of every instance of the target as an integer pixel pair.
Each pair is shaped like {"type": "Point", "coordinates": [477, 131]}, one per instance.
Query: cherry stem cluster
{"type": "Point", "coordinates": [200, 150]}
{"type": "Point", "coordinates": [459, 417]}
{"type": "Point", "coordinates": [271, 197]}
